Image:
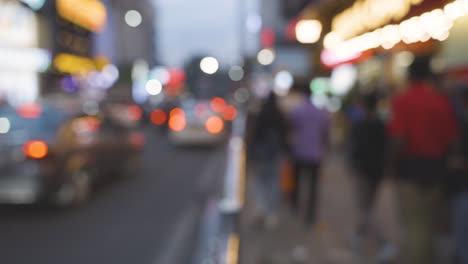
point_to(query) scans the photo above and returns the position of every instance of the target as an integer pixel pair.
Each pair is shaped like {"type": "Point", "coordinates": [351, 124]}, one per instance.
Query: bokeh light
{"type": "Point", "coordinates": [177, 122]}
{"type": "Point", "coordinates": [69, 84]}
{"type": "Point", "coordinates": [161, 74]}
{"type": "Point", "coordinates": [4, 125]}
{"type": "Point", "coordinates": [236, 73]}
{"type": "Point", "coordinates": [230, 113]}
{"type": "Point", "coordinates": [284, 81]}
{"type": "Point", "coordinates": [30, 110]}
{"type": "Point", "coordinates": [218, 104]}
{"type": "Point", "coordinates": [153, 87]}
{"type": "Point", "coordinates": [158, 117]}
{"type": "Point", "coordinates": [134, 112]}
{"type": "Point", "coordinates": [214, 125]}
{"type": "Point", "coordinates": [343, 79]}
{"type": "Point", "coordinates": [404, 58]}
{"type": "Point", "coordinates": [266, 57]}
{"type": "Point", "coordinates": [35, 149]}
{"type": "Point", "coordinates": [209, 65]}
{"type": "Point", "coordinates": [242, 95]}
{"type": "Point", "coordinates": [177, 112]}
{"type": "Point", "coordinates": [308, 31]}
{"type": "Point", "coordinates": [133, 18]}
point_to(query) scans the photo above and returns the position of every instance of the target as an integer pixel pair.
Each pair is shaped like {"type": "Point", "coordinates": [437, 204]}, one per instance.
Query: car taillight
{"type": "Point", "coordinates": [35, 149]}
{"type": "Point", "coordinates": [177, 123]}
{"type": "Point", "coordinates": [218, 104]}
{"type": "Point", "coordinates": [158, 117]}
{"type": "Point", "coordinates": [177, 112]}
{"type": "Point", "coordinates": [230, 113]}
{"type": "Point", "coordinates": [214, 125]}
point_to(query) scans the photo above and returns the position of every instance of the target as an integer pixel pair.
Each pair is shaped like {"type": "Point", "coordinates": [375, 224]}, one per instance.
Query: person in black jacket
{"type": "Point", "coordinates": [459, 184]}
{"type": "Point", "coordinates": [269, 141]}
{"type": "Point", "coordinates": [368, 147]}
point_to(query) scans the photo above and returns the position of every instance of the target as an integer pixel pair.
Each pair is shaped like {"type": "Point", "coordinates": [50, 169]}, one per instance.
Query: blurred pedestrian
{"type": "Point", "coordinates": [423, 128]}
{"type": "Point", "coordinates": [460, 184]}
{"type": "Point", "coordinates": [368, 147]}
{"type": "Point", "coordinates": [269, 143]}
{"type": "Point", "coordinates": [309, 133]}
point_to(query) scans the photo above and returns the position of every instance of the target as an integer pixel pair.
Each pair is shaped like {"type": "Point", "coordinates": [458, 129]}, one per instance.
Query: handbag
{"type": "Point", "coordinates": [287, 176]}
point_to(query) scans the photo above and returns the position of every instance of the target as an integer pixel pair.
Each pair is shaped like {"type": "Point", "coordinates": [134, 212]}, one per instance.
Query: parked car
{"type": "Point", "coordinates": [48, 154]}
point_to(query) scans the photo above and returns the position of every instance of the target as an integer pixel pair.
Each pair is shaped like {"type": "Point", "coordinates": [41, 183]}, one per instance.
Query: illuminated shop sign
{"type": "Point", "coordinates": [18, 25]}
{"type": "Point", "coordinates": [76, 65]}
{"type": "Point", "coordinates": [89, 14]}
{"type": "Point", "coordinates": [432, 25]}
{"type": "Point", "coordinates": [24, 59]}
{"type": "Point", "coordinates": [370, 14]}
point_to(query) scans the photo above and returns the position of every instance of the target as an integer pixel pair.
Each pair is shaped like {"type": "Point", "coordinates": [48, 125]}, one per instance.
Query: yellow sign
{"type": "Point", "coordinates": [89, 14]}
{"type": "Point", "coordinates": [366, 15]}
{"type": "Point", "coordinates": [72, 64]}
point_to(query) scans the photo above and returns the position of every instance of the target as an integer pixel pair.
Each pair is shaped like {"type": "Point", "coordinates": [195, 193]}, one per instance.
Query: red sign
{"type": "Point", "coordinates": [331, 60]}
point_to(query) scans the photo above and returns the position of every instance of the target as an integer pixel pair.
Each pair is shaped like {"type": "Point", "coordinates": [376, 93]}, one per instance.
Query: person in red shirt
{"type": "Point", "coordinates": [423, 126]}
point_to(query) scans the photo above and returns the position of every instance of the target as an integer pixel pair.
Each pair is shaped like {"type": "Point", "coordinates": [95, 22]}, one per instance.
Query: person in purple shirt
{"type": "Point", "coordinates": [309, 131]}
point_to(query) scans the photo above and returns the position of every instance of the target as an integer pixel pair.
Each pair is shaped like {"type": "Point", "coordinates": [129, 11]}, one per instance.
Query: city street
{"type": "Point", "coordinates": [149, 219]}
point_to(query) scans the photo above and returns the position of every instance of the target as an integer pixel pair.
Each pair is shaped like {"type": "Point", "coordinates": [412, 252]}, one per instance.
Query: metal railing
{"type": "Point", "coordinates": [220, 236]}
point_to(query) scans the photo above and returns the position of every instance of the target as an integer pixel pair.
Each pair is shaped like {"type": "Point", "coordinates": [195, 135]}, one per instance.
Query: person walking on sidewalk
{"type": "Point", "coordinates": [368, 148]}
{"type": "Point", "coordinates": [309, 133]}
{"type": "Point", "coordinates": [423, 128]}
{"type": "Point", "coordinates": [459, 186]}
{"type": "Point", "coordinates": [269, 143]}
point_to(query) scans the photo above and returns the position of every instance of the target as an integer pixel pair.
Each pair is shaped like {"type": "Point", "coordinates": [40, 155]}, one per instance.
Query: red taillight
{"type": "Point", "coordinates": [177, 123]}
{"type": "Point", "coordinates": [30, 110]}
{"type": "Point", "coordinates": [177, 112]}
{"type": "Point", "coordinates": [230, 113]}
{"type": "Point", "coordinates": [158, 117]}
{"type": "Point", "coordinates": [214, 125]}
{"type": "Point", "coordinates": [218, 104]}
{"type": "Point", "coordinates": [135, 113]}
{"type": "Point", "coordinates": [35, 149]}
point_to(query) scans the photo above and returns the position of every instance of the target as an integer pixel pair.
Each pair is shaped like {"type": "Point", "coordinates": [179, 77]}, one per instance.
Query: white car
{"type": "Point", "coordinates": [195, 123]}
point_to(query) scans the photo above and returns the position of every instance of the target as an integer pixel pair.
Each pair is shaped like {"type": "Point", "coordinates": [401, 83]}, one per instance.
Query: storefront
{"type": "Point", "coordinates": [392, 34]}
{"type": "Point", "coordinates": [75, 67]}
{"type": "Point", "coordinates": [21, 58]}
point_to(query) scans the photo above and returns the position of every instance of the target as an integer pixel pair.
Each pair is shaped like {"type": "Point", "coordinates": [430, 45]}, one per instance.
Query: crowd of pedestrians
{"type": "Point", "coordinates": [422, 145]}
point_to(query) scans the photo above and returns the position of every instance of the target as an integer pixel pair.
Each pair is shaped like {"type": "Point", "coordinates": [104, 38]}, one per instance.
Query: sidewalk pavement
{"type": "Point", "coordinates": [331, 241]}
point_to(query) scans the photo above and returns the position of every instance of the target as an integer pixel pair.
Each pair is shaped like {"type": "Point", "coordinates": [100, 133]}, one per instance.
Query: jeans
{"type": "Point", "coordinates": [310, 172]}
{"type": "Point", "coordinates": [267, 185]}
{"type": "Point", "coordinates": [366, 192]}
{"type": "Point", "coordinates": [460, 218]}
